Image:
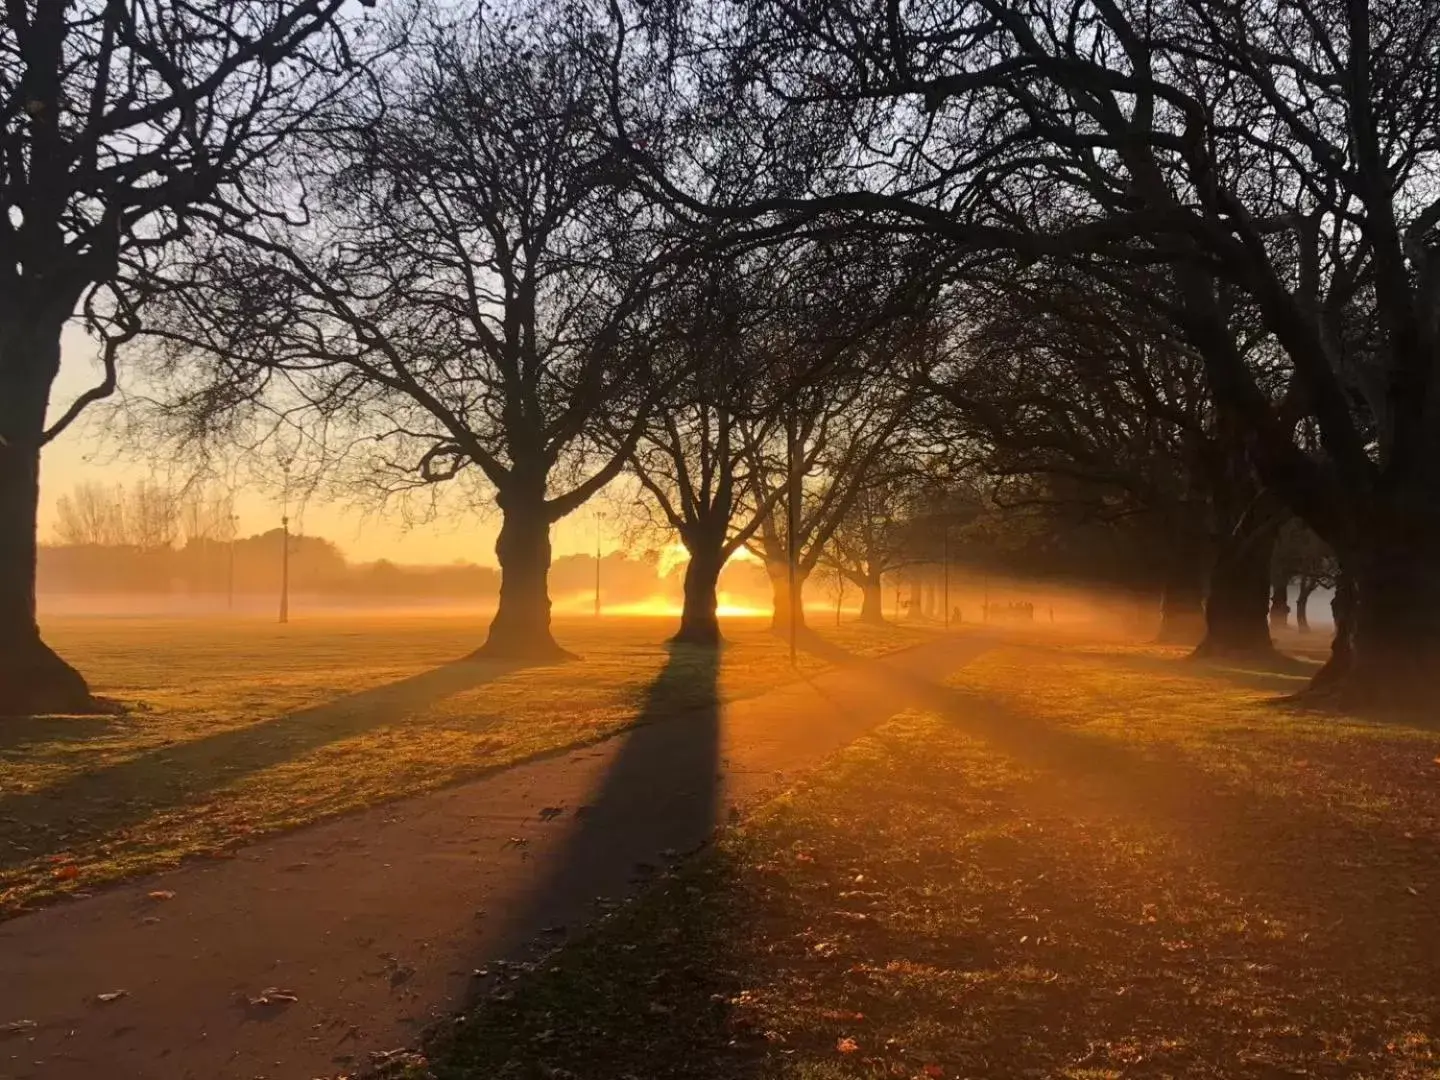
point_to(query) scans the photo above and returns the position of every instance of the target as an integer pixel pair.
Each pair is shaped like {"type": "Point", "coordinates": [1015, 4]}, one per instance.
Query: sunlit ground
{"type": "Point", "coordinates": [1088, 863]}
{"type": "Point", "coordinates": [239, 728]}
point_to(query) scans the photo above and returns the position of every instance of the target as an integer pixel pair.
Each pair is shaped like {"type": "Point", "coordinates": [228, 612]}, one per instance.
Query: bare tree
{"type": "Point", "coordinates": [91, 515]}
{"type": "Point", "coordinates": [691, 458]}
{"type": "Point", "coordinates": [823, 458]}
{"type": "Point", "coordinates": [1275, 156]}
{"type": "Point", "coordinates": [121, 120]}
{"type": "Point", "coordinates": [474, 291]}
{"type": "Point", "coordinates": [871, 540]}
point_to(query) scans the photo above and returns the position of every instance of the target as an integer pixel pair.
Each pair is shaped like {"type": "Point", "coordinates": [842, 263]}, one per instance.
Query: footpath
{"type": "Point", "coordinates": [306, 954]}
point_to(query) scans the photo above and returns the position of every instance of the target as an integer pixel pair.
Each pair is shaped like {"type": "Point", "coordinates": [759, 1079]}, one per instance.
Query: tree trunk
{"type": "Point", "coordinates": [521, 627]}
{"type": "Point", "coordinates": [699, 625]}
{"type": "Point", "coordinates": [1387, 641]}
{"type": "Point", "coordinates": [1342, 613]}
{"type": "Point", "coordinates": [33, 679]}
{"type": "Point", "coordinates": [1236, 606]}
{"type": "Point", "coordinates": [780, 598]}
{"type": "Point", "coordinates": [1302, 603]}
{"type": "Point", "coordinates": [872, 602]}
{"type": "Point", "coordinates": [1280, 601]}
{"type": "Point", "coordinates": [915, 611]}
{"type": "Point", "coordinates": [1182, 603]}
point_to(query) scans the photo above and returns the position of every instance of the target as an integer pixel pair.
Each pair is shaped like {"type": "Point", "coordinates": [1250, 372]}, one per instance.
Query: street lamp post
{"type": "Point", "coordinates": [946, 548]}
{"type": "Point", "coordinates": [791, 527]}
{"type": "Point", "coordinates": [285, 549]}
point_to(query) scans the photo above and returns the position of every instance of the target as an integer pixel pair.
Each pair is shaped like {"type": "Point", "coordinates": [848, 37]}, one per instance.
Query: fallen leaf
{"type": "Point", "coordinates": [847, 1045]}
{"type": "Point", "coordinates": [16, 1027]}
{"type": "Point", "coordinates": [933, 1072]}
{"type": "Point", "coordinates": [113, 995]}
{"type": "Point", "coordinates": [66, 873]}
{"type": "Point", "coordinates": [161, 894]}
{"type": "Point", "coordinates": [273, 995]}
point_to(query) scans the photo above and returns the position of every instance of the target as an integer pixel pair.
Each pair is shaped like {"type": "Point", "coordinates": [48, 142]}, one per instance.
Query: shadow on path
{"type": "Point", "coordinates": [169, 776]}
{"type": "Point", "coordinates": [658, 794]}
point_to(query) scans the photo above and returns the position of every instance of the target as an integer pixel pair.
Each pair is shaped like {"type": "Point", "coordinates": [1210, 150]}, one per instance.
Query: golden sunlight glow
{"type": "Point", "coordinates": [674, 554]}
{"type": "Point", "coordinates": [660, 606]}
{"type": "Point", "coordinates": [671, 556]}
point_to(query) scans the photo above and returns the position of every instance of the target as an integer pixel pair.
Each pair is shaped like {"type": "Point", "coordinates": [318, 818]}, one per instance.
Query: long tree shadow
{"type": "Point", "coordinates": [591, 1011]}
{"type": "Point", "coordinates": [662, 784]}
{"type": "Point", "coordinates": [19, 733]}
{"type": "Point", "coordinates": [1278, 672]}
{"type": "Point", "coordinates": [1270, 843]}
{"type": "Point", "coordinates": [170, 776]}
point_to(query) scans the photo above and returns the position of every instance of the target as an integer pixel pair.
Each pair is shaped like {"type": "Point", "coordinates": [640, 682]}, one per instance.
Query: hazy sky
{"type": "Point", "coordinates": [83, 453]}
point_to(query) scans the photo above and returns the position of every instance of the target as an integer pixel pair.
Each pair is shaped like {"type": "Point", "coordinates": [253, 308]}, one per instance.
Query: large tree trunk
{"type": "Point", "coordinates": [872, 602]}
{"type": "Point", "coordinates": [1236, 605]}
{"type": "Point", "coordinates": [1390, 652]}
{"type": "Point", "coordinates": [699, 625]}
{"type": "Point", "coordinates": [33, 680]}
{"type": "Point", "coordinates": [521, 627]}
{"type": "Point", "coordinates": [1182, 602]}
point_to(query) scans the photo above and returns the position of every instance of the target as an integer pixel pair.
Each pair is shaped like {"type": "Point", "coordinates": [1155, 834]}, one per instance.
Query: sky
{"type": "Point", "coordinates": [84, 453]}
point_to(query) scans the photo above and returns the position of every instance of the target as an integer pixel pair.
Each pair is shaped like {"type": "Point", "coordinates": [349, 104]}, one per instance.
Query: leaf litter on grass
{"type": "Point", "coordinates": [1046, 897]}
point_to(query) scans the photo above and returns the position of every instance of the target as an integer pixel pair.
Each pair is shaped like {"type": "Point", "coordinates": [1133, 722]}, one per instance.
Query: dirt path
{"type": "Point", "coordinates": [377, 923]}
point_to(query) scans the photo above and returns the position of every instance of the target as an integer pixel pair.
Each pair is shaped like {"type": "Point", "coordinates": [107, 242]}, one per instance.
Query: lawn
{"type": "Point", "coordinates": [1080, 863]}
{"type": "Point", "coordinates": [239, 728]}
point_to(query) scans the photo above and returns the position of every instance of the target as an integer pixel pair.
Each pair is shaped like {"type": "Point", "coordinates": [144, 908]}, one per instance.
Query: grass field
{"type": "Point", "coordinates": [236, 728]}
{"type": "Point", "coordinates": [1079, 862]}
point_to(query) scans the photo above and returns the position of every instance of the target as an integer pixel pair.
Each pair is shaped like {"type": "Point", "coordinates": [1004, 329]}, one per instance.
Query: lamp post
{"type": "Point", "coordinates": [945, 547]}
{"type": "Point", "coordinates": [285, 549]}
{"type": "Point", "coordinates": [792, 517]}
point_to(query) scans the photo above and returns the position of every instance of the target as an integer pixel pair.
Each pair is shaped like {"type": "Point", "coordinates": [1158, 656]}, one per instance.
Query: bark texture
{"type": "Point", "coordinates": [520, 629]}
{"type": "Point", "coordinates": [1237, 601]}
{"type": "Point", "coordinates": [872, 602]}
{"type": "Point", "coordinates": [699, 623]}
{"type": "Point", "coordinates": [33, 679]}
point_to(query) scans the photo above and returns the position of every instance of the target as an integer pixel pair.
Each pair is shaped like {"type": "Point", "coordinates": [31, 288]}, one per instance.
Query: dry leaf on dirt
{"type": "Point", "coordinates": [933, 1072]}
{"type": "Point", "coordinates": [847, 1045]}
{"type": "Point", "coordinates": [66, 873]}
{"type": "Point", "coordinates": [17, 1027]}
{"type": "Point", "coordinates": [161, 894]}
{"type": "Point", "coordinates": [273, 995]}
{"type": "Point", "coordinates": [112, 995]}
